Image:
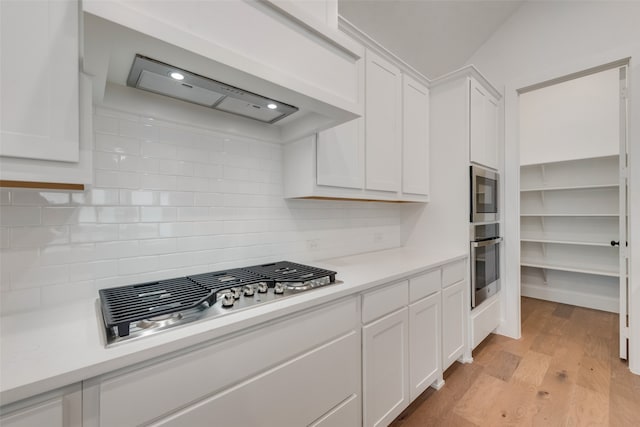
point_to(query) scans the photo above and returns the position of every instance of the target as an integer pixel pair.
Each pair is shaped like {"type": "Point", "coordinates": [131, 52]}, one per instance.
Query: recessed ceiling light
{"type": "Point", "coordinates": [272, 106]}
{"type": "Point", "coordinates": [177, 76]}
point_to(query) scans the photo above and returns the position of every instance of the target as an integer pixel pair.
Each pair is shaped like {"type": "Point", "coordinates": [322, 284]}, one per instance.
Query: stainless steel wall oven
{"type": "Point", "coordinates": [484, 194]}
{"type": "Point", "coordinates": [485, 262]}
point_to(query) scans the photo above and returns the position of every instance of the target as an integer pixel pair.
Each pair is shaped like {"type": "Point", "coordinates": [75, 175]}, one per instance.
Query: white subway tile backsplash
{"type": "Point", "coordinates": [117, 179]}
{"type": "Point", "coordinates": [117, 214]}
{"type": "Point", "coordinates": [92, 270]}
{"type": "Point", "coordinates": [157, 246]}
{"type": "Point", "coordinates": [176, 198]}
{"type": "Point", "coordinates": [20, 215]}
{"type": "Point", "coordinates": [188, 183]}
{"type": "Point", "coordinates": [39, 276]}
{"type": "Point", "coordinates": [158, 182]}
{"type": "Point", "coordinates": [105, 124]}
{"type": "Point", "coordinates": [34, 237]}
{"type": "Point", "coordinates": [158, 214]}
{"type": "Point", "coordinates": [93, 233]}
{"type": "Point", "coordinates": [117, 144]}
{"type": "Point", "coordinates": [68, 254]}
{"type": "Point", "coordinates": [139, 198]}
{"type": "Point", "coordinates": [96, 196]}
{"type": "Point", "coordinates": [5, 196]}
{"type": "Point", "coordinates": [169, 200]}
{"type": "Point", "coordinates": [106, 161]}
{"type": "Point", "coordinates": [39, 198]}
{"type": "Point", "coordinates": [131, 163]}
{"type": "Point", "coordinates": [138, 231]}
{"type": "Point", "coordinates": [159, 150]}
{"type": "Point", "coordinates": [67, 293]}
{"type": "Point", "coordinates": [128, 266]}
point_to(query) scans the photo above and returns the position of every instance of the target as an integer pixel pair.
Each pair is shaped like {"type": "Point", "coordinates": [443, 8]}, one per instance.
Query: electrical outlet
{"type": "Point", "coordinates": [312, 244]}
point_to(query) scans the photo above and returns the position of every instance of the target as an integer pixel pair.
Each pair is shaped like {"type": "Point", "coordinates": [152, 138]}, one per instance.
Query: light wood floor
{"type": "Point", "coordinates": [564, 371]}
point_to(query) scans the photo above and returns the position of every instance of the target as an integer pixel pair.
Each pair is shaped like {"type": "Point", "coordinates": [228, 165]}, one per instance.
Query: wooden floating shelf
{"type": "Point", "coordinates": [42, 185]}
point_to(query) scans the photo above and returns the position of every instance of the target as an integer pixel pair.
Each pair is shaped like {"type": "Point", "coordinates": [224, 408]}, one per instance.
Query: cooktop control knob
{"type": "Point", "coordinates": [236, 292]}
{"type": "Point", "coordinates": [248, 290]}
{"type": "Point", "coordinates": [278, 288]}
{"type": "Point", "coordinates": [228, 299]}
{"type": "Point", "coordinates": [262, 288]}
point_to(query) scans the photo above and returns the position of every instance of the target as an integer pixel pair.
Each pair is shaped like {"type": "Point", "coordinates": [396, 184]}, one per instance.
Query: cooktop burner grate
{"type": "Point", "coordinates": [285, 271]}
{"type": "Point", "coordinates": [126, 304]}
{"type": "Point", "coordinates": [220, 280]}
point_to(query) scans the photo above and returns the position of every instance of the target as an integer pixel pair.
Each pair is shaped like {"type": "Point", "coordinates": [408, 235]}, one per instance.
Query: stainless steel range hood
{"type": "Point", "coordinates": [164, 79]}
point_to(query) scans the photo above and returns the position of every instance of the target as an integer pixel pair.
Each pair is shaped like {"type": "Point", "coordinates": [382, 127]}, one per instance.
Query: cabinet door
{"type": "Point", "coordinates": [385, 367]}
{"type": "Point", "coordinates": [424, 344]}
{"type": "Point", "coordinates": [45, 414]}
{"type": "Point", "coordinates": [477, 123]}
{"type": "Point", "coordinates": [39, 84]}
{"type": "Point", "coordinates": [382, 123]}
{"type": "Point", "coordinates": [340, 156]}
{"type": "Point", "coordinates": [415, 137]}
{"type": "Point", "coordinates": [491, 132]}
{"type": "Point", "coordinates": [454, 314]}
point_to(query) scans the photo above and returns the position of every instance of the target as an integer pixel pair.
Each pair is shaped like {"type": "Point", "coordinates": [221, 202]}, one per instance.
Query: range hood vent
{"type": "Point", "coordinates": [164, 79]}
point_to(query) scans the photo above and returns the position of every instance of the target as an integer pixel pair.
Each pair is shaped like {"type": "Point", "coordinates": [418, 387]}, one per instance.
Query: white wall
{"type": "Point", "coordinates": [543, 38]}
{"type": "Point", "coordinates": [169, 199]}
{"type": "Point", "coordinates": [575, 119]}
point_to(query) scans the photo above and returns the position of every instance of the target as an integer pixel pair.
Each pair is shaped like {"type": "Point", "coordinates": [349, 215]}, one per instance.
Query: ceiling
{"type": "Point", "coordinates": [435, 37]}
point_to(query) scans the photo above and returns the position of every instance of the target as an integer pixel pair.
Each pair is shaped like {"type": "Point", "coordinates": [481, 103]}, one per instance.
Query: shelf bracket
{"type": "Point", "coordinates": [544, 276]}
{"type": "Point", "coordinates": [544, 177]}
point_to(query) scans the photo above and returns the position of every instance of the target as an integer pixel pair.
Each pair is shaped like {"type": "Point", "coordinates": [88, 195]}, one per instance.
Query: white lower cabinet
{"type": "Point", "coordinates": [454, 319]}
{"type": "Point", "coordinates": [302, 370]}
{"type": "Point", "coordinates": [60, 408]}
{"type": "Point", "coordinates": [424, 344]}
{"type": "Point", "coordinates": [385, 367]}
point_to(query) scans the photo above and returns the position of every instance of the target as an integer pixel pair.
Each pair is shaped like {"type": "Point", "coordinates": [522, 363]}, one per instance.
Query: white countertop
{"type": "Point", "coordinates": [65, 344]}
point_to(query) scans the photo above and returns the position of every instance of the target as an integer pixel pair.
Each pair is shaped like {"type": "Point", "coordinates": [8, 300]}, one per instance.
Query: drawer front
{"type": "Point", "coordinates": [424, 285]}
{"type": "Point", "coordinates": [383, 301]}
{"type": "Point", "coordinates": [453, 273]}
{"type": "Point", "coordinates": [163, 387]}
{"type": "Point", "coordinates": [485, 320]}
{"type": "Point", "coordinates": [296, 393]}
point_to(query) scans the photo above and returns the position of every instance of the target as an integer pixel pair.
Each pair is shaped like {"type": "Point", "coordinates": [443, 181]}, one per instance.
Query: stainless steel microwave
{"type": "Point", "coordinates": [484, 194]}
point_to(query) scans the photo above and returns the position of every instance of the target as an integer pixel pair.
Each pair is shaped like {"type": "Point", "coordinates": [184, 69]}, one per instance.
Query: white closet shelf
{"type": "Point", "coordinates": [565, 296]}
{"type": "Point", "coordinates": [569, 187]}
{"type": "Point", "coordinates": [573, 269]}
{"type": "Point", "coordinates": [572, 214]}
{"type": "Point", "coordinates": [564, 241]}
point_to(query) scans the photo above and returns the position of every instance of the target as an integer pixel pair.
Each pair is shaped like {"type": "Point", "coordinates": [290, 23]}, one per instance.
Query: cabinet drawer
{"type": "Point", "coordinates": [205, 371]}
{"type": "Point", "coordinates": [377, 303]}
{"type": "Point", "coordinates": [424, 285]}
{"type": "Point", "coordinates": [294, 394]}
{"type": "Point", "coordinates": [453, 273]}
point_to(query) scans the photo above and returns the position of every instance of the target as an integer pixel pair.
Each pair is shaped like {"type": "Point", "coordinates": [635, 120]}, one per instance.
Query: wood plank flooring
{"type": "Point", "coordinates": [564, 371]}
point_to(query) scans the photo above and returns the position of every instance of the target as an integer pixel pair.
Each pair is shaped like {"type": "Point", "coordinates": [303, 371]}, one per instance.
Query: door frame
{"type": "Point", "coordinates": [510, 325]}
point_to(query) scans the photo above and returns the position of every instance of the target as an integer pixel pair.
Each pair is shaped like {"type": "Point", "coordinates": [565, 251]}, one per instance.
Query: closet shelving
{"type": "Point", "coordinates": [569, 216]}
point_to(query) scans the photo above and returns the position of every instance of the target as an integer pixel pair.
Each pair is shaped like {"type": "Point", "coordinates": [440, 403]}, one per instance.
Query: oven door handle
{"type": "Point", "coordinates": [484, 243]}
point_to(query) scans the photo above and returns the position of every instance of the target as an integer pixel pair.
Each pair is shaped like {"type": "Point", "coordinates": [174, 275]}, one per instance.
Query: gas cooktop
{"type": "Point", "coordinates": [143, 309]}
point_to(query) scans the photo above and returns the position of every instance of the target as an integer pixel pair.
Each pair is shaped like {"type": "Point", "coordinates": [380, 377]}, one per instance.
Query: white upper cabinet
{"type": "Point", "coordinates": [415, 137]}
{"type": "Point", "coordinates": [340, 152]}
{"type": "Point", "coordinates": [45, 119]}
{"type": "Point", "coordinates": [281, 50]}
{"type": "Point", "coordinates": [382, 124]}
{"type": "Point", "coordinates": [483, 126]}
{"type": "Point", "coordinates": [39, 80]}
